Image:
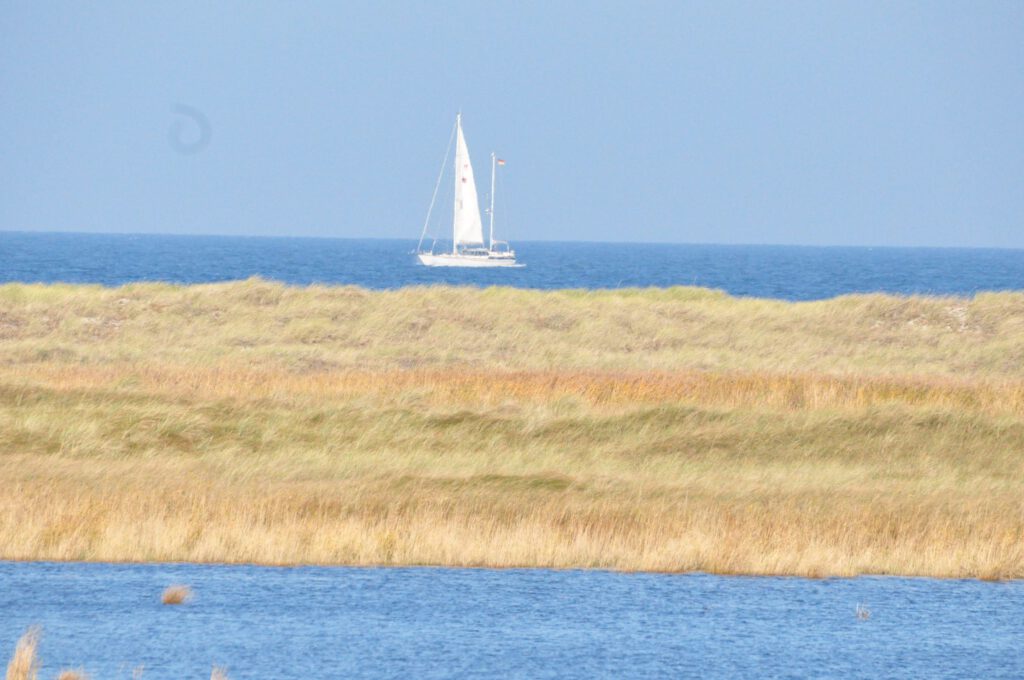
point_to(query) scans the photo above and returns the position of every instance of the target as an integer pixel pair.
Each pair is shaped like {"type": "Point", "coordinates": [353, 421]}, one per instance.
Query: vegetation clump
{"type": "Point", "coordinates": [24, 664]}
{"type": "Point", "coordinates": [176, 594]}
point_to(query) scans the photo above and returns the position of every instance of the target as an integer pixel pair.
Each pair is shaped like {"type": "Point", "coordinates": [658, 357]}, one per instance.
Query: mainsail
{"type": "Point", "coordinates": [468, 226]}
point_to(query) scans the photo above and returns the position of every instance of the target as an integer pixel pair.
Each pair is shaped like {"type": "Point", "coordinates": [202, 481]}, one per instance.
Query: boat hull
{"type": "Point", "coordinates": [450, 260]}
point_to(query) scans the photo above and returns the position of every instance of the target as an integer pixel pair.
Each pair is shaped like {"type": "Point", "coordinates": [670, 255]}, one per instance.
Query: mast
{"type": "Point", "coordinates": [455, 203]}
{"type": "Point", "coordinates": [490, 245]}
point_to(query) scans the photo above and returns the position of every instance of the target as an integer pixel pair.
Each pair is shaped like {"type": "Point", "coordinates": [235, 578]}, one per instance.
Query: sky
{"type": "Point", "coordinates": [804, 123]}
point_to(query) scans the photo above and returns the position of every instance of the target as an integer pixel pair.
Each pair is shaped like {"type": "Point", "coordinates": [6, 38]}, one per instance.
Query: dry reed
{"type": "Point", "coordinates": [72, 674]}
{"type": "Point", "coordinates": [176, 594]}
{"type": "Point", "coordinates": [24, 664]}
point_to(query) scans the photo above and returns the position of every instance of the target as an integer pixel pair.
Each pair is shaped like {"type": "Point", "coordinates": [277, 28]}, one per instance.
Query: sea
{"type": "Point", "coordinates": [340, 622]}
{"type": "Point", "coordinates": [781, 272]}
{"type": "Point", "coordinates": [318, 622]}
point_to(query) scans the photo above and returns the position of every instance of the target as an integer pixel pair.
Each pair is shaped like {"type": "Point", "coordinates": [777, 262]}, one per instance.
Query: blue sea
{"type": "Point", "coordinates": [337, 622]}
{"type": "Point", "coordinates": [784, 272]}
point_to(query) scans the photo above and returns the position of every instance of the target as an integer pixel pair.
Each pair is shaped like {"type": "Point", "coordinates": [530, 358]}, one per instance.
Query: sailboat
{"type": "Point", "coordinates": [468, 246]}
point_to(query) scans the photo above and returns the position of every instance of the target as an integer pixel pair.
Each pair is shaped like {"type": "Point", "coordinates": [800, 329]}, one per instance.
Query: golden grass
{"type": "Point", "coordinates": [72, 674]}
{"type": "Point", "coordinates": [24, 664]}
{"type": "Point", "coordinates": [312, 329]}
{"type": "Point", "coordinates": [176, 594]}
{"type": "Point", "coordinates": [667, 430]}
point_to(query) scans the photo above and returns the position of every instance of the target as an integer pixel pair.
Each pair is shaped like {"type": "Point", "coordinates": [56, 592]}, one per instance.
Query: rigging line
{"type": "Point", "coordinates": [433, 198]}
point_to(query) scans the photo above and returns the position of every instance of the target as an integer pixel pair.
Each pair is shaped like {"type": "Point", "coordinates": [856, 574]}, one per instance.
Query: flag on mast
{"type": "Point", "coordinates": [501, 161]}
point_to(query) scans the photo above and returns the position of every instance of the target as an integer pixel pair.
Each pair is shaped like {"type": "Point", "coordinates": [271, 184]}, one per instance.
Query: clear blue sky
{"type": "Point", "coordinates": [821, 123]}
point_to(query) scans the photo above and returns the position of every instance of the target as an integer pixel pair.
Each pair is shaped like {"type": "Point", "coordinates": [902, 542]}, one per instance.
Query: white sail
{"type": "Point", "coordinates": [468, 248]}
{"type": "Point", "coordinates": [467, 226]}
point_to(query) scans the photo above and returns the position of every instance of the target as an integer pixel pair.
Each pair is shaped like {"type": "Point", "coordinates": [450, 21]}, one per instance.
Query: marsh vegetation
{"type": "Point", "coordinates": [668, 429]}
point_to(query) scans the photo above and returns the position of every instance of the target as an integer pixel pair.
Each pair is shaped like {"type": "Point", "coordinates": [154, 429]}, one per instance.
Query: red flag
{"type": "Point", "coordinates": [501, 161]}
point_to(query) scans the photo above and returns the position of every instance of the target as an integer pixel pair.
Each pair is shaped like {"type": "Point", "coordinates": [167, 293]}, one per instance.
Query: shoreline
{"type": "Point", "coordinates": [484, 567]}
{"type": "Point", "coordinates": [683, 290]}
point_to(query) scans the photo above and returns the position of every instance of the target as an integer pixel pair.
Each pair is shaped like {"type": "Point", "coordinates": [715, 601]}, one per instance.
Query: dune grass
{"type": "Point", "coordinates": [324, 328]}
{"type": "Point", "coordinates": [675, 430]}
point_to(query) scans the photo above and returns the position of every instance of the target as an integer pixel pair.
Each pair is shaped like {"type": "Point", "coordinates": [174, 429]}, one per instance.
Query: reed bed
{"type": "Point", "coordinates": [669, 430]}
{"type": "Point", "coordinates": [599, 390]}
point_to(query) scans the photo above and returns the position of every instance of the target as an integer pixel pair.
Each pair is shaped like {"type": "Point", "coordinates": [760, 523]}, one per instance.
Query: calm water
{"type": "Point", "coordinates": [342, 622]}
{"type": "Point", "coordinates": [791, 273]}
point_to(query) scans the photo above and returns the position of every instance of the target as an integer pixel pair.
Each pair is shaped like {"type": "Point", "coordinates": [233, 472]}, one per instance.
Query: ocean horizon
{"type": "Point", "coordinates": [786, 272]}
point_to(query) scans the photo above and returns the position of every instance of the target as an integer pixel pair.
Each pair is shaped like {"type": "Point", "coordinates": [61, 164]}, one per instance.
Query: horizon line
{"type": "Point", "coordinates": [405, 239]}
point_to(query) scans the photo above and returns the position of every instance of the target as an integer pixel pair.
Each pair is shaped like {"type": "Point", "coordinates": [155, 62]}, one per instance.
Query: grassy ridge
{"type": "Point", "coordinates": [669, 429]}
{"type": "Point", "coordinates": [322, 328]}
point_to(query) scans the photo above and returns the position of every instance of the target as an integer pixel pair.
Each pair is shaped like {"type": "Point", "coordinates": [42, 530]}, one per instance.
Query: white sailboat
{"type": "Point", "coordinates": [468, 246]}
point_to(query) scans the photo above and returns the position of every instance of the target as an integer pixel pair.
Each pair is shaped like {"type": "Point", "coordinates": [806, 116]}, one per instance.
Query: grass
{"type": "Point", "coordinates": [673, 430]}
{"type": "Point", "coordinates": [336, 328]}
{"type": "Point", "coordinates": [24, 664]}
{"type": "Point", "coordinates": [177, 594]}
{"type": "Point", "coordinates": [72, 674]}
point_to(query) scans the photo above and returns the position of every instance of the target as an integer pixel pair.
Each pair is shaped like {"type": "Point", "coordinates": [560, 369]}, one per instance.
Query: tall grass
{"type": "Point", "coordinates": [667, 430]}
{"type": "Point", "coordinates": [24, 664]}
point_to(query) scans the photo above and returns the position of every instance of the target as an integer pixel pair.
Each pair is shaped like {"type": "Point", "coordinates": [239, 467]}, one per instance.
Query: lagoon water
{"type": "Point", "coordinates": [789, 273]}
{"type": "Point", "coordinates": [318, 622]}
